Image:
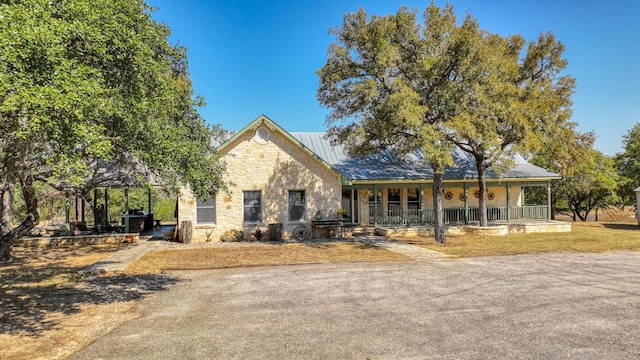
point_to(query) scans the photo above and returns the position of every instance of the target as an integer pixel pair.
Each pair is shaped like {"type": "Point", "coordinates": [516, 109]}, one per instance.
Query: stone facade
{"type": "Point", "coordinates": [266, 160]}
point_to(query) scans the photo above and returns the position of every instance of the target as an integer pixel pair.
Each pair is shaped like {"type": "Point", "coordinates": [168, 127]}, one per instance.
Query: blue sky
{"type": "Point", "coordinates": [250, 57]}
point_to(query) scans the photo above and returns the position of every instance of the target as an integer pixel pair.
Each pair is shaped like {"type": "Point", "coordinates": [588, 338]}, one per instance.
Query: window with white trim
{"type": "Point", "coordinates": [252, 206]}
{"type": "Point", "coordinates": [297, 205]}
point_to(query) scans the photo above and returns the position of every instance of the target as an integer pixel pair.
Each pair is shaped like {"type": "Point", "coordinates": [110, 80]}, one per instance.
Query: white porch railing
{"type": "Point", "coordinates": [456, 215]}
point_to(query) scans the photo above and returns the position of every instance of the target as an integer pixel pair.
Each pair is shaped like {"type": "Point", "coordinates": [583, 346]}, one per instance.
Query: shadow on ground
{"type": "Point", "coordinates": [28, 312]}
{"type": "Point", "coordinates": [622, 226]}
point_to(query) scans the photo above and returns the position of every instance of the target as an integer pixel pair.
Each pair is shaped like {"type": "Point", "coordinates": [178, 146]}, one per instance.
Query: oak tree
{"type": "Point", "coordinates": [392, 83]}
{"type": "Point", "coordinates": [89, 81]}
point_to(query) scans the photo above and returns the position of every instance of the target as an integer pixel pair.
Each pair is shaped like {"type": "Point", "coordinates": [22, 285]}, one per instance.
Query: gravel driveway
{"type": "Point", "coordinates": [550, 306]}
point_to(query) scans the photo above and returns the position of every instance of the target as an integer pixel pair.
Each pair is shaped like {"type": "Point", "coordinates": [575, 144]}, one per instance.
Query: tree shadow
{"type": "Point", "coordinates": [622, 226]}
{"type": "Point", "coordinates": [32, 304]}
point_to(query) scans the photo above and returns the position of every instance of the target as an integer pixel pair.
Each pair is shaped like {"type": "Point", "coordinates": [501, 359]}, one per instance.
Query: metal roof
{"type": "Point", "coordinates": [384, 166]}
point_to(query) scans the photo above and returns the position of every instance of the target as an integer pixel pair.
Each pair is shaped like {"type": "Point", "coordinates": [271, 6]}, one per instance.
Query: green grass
{"type": "Point", "coordinates": [584, 237]}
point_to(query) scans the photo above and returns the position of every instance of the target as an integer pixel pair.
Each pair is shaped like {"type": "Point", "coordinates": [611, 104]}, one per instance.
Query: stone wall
{"type": "Point", "coordinates": [273, 167]}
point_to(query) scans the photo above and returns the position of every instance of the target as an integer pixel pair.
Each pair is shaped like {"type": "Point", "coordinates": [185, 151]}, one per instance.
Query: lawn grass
{"type": "Point", "coordinates": [584, 237]}
{"type": "Point", "coordinates": [260, 255]}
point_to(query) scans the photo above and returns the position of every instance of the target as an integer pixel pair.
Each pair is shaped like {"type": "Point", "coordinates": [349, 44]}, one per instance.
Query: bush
{"type": "Point", "coordinates": [232, 236]}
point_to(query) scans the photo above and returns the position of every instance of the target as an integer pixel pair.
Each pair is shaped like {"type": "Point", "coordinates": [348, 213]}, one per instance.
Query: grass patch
{"type": "Point", "coordinates": [584, 237]}
{"type": "Point", "coordinates": [259, 255]}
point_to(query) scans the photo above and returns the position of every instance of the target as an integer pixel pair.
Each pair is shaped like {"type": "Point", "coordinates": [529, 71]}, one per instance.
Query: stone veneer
{"type": "Point", "coordinates": [273, 166]}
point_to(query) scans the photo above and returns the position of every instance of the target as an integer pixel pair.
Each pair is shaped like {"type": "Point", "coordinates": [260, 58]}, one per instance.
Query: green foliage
{"type": "Point", "coordinates": [392, 83]}
{"type": "Point", "coordinates": [593, 185]}
{"type": "Point", "coordinates": [563, 152]}
{"type": "Point", "coordinates": [628, 164]}
{"type": "Point", "coordinates": [83, 81]}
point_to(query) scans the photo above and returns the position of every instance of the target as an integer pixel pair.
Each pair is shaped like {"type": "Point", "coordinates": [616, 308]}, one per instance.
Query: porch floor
{"type": "Point", "coordinates": [536, 226]}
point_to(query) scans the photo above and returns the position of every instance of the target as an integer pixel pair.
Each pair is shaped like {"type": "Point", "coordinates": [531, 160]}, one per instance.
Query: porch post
{"type": "Point", "coordinates": [95, 207]}
{"type": "Point", "coordinates": [106, 206]}
{"type": "Point", "coordinates": [375, 206]}
{"type": "Point", "coordinates": [67, 210]}
{"type": "Point", "coordinates": [82, 207]}
{"type": "Point", "coordinates": [149, 200]}
{"type": "Point", "coordinates": [421, 204]}
{"type": "Point", "coordinates": [466, 203]}
{"type": "Point", "coordinates": [75, 196]}
{"type": "Point", "coordinates": [126, 210]}
{"type": "Point", "coordinates": [508, 187]}
{"type": "Point", "coordinates": [548, 200]}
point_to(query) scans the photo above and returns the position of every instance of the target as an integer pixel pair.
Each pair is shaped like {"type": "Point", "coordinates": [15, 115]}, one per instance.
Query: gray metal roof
{"type": "Point", "coordinates": [384, 166]}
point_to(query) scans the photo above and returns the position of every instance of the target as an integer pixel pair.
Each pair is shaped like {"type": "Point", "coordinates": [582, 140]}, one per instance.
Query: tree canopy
{"type": "Point", "coordinates": [628, 163]}
{"type": "Point", "coordinates": [82, 81]}
{"type": "Point", "coordinates": [393, 83]}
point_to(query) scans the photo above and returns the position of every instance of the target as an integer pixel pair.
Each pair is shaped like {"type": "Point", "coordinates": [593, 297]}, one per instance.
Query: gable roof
{"type": "Point", "coordinates": [384, 166]}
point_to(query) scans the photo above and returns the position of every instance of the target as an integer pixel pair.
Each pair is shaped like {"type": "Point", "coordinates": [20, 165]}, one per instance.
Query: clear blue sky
{"type": "Point", "coordinates": [252, 57]}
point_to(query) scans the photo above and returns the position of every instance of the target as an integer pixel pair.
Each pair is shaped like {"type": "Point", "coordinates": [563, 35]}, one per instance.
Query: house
{"type": "Point", "coordinates": [292, 179]}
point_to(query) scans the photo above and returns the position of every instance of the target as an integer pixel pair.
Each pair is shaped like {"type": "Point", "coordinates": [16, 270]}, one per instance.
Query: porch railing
{"type": "Point", "coordinates": [457, 215]}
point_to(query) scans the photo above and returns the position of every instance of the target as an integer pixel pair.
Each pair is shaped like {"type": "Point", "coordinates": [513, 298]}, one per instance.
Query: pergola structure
{"type": "Point", "coordinates": [109, 175]}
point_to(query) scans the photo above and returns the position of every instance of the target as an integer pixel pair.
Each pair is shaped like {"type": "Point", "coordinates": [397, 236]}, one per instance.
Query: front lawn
{"type": "Point", "coordinates": [584, 237]}
{"type": "Point", "coordinates": [259, 255]}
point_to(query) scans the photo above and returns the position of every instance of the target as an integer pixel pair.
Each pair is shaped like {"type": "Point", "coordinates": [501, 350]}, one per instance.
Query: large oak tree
{"type": "Point", "coordinates": [392, 83]}
{"type": "Point", "coordinates": [83, 82]}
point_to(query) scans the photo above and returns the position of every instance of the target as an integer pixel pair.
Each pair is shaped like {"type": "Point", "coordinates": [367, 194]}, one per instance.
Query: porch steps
{"type": "Point", "coordinates": [360, 231]}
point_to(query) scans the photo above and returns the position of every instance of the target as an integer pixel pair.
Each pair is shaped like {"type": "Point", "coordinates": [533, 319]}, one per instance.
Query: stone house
{"type": "Point", "coordinates": [290, 179]}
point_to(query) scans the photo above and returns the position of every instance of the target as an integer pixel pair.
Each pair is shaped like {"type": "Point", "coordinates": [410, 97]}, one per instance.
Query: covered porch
{"type": "Point", "coordinates": [411, 204]}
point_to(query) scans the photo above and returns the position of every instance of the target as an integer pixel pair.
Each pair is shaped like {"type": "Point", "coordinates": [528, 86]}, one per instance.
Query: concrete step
{"type": "Point", "coordinates": [361, 231]}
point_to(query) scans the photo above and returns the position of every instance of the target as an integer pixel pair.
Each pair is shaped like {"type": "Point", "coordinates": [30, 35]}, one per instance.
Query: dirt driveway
{"type": "Point", "coordinates": [551, 306]}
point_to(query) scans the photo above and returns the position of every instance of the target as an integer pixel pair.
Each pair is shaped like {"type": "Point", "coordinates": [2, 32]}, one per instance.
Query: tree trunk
{"type": "Point", "coordinates": [7, 240]}
{"type": "Point", "coordinates": [482, 202]}
{"type": "Point", "coordinates": [6, 201]}
{"type": "Point", "coordinates": [437, 209]}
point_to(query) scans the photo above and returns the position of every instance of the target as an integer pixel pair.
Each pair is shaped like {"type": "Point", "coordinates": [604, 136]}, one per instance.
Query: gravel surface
{"type": "Point", "coordinates": [547, 306]}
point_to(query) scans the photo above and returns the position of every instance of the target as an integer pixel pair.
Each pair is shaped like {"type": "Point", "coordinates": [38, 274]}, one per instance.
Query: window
{"type": "Point", "coordinates": [206, 211]}
{"type": "Point", "coordinates": [394, 199]}
{"type": "Point", "coordinates": [413, 199]}
{"type": "Point", "coordinates": [252, 206]}
{"type": "Point", "coordinates": [297, 205]}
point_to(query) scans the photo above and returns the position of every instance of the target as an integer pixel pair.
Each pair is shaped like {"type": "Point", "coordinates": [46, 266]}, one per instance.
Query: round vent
{"type": "Point", "coordinates": [448, 195]}
{"type": "Point", "coordinates": [262, 135]}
